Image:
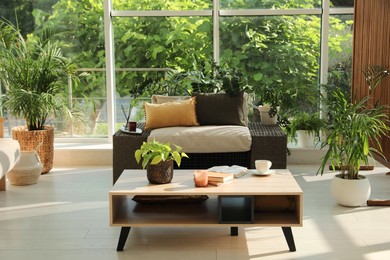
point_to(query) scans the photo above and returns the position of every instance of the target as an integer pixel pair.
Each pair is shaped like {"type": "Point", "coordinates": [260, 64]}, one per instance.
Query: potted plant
{"type": "Point", "coordinates": [273, 101]}
{"type": "Point", "coordinates": [34, 73]}
{"type": "Point", "coordinates": [353, 136]}
{"type": "Point", "coordinates": [305, 127]}
{"type": "Point", "coordinates": [158, 160]}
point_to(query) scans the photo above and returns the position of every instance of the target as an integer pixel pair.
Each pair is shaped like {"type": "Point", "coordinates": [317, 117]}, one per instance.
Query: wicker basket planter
{"type": "Point", "coordinates": [2, 119]}
{"type": "Point", "coordinates": [30, 140]}
{"type": "Point", "coordinates": [160, 173]}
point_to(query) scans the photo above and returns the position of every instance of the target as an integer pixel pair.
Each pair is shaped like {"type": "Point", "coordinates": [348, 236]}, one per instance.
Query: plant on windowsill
{"type": "Point", "coordinates": [354, 135]}
{"type": "Point", "coordinates": [35, 74]}
{"type": "Point", "coordinates": [305, 127]}
{"type": "Point", "coordinates": [158, 160]}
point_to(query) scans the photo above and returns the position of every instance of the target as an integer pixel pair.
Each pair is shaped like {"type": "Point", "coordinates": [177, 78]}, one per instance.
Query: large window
{"type": "Point", "coordinates": [274, 42]}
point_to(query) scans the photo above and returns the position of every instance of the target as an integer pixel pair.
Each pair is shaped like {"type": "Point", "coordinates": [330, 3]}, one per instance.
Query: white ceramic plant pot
{"type": "Point", "coordinates": [351, 193]}
{"type": "Point", "coordinates": [264, 116]}
{"type": "Point", "coordinates": [305, 139]}
{"type": "Point", "coordinates": [27, 170]}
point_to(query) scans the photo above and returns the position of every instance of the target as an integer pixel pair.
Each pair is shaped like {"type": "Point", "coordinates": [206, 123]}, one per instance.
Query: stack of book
{"type": "Point", "coordinates": [218, 178]}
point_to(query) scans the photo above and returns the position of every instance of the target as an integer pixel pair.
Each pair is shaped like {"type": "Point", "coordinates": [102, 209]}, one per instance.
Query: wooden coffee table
{"type": "Point", "coordinates": [229, 205]}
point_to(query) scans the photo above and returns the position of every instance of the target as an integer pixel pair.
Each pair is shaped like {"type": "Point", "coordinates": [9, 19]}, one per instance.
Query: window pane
{"type": "Point", "coordinates": [280, 52]}
{"type": "Point", "coordinates": [342, 3]}
{"type": "Point", "coordinates": [81, 35]}
{"type": "Point", "coordinates": [83, 39]}
{"type": "Point", "coordinates": [340, 52]}
{"type": "Point", "coordinates": [171, 5]}
{"type": "Point", "coordinates": [158, 43]}
{"type": "Point", "coordinates": [268, 4]}
{"type": "Point", "coordinates": [162, 42]}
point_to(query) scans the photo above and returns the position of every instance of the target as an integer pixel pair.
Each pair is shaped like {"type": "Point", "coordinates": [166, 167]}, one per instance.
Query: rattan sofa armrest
{"type": "Point", "coordinates": [269, 142]}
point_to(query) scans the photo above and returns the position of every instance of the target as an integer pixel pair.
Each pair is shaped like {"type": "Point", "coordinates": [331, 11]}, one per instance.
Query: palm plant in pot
{"type": "Point", "coordinates": [35, 73]}
{"type": "Point", "coordinates": [158, 160]}
{"type": "Point", "coordinates": [353, 136]}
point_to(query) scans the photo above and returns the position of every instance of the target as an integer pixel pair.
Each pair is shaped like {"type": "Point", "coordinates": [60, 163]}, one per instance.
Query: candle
{"type": "Point", "coordinates": [132, 126]}
{"type": "Point", "coordinates": [200, 178]}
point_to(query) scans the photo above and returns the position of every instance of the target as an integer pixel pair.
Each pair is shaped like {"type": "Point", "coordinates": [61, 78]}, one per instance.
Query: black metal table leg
{"type": "Point", "coordinates": [289, 238]}
{"type": "Point", "coordinates": [122, 238]}
{"type": "Point", "coordinates": [234, 231]}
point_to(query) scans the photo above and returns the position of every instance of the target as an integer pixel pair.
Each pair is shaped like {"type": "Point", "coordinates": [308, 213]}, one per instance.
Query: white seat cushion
{"type": "Point", "coordinates": [205, 139]}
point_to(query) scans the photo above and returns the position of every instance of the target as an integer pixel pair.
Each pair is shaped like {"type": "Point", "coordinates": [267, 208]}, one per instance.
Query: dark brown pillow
{"type": "Point", "coordinates": [219, 109]}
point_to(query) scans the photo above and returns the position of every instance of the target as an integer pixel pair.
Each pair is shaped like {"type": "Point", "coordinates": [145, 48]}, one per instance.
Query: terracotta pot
{"type": "Point", "coordinates": [160, 173]}
{"type": "Point", "coordinates": [30, 140]}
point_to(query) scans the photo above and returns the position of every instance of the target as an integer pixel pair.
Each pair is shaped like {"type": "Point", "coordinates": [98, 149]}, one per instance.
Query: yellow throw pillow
{"type": "Point", "coordinates": [180, 113]}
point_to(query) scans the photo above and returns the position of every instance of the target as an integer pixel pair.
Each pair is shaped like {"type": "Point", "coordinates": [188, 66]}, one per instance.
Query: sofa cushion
{"type": "Point", "coordinates": [220, 109]}
{"type": "Point", "coordinates": [180, 113]}
{"type": "Point", "coordinates": [160, 99]}
{"type": "Point", "coordinates": [205, 139]}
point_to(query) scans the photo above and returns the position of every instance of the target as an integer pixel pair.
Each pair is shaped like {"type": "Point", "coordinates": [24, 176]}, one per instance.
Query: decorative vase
{"type": "Point", "coordinates": [27, 170]}
{"type": "Point", "coordinates": [265, 117]}
{"type": "Point", "coordinates": [351, 193]}
{"type": "Point", "coordinates": [160, 173]}
{"type": "Point", "coordinates": [29, 140]}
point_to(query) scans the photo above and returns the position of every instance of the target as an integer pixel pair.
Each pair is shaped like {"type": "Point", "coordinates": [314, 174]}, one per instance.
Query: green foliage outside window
{"type": "Point", "coordinates": [280, 52]}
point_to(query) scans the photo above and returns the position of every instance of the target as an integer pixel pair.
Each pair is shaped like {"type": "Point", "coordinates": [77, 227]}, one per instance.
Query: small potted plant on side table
{"type": "Point", "coordinates": [158, 159]}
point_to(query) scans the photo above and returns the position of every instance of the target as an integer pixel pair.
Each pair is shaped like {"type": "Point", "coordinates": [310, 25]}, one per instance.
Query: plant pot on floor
{"type": "Point", "coordinates": [351, 192]}
{"type": "Point", "coordinates": [160, 173]}
{"type": "Point", "coordinates": [27, 170]}
{"type": "Point", "coordinates": [30, 140]}
{"type": "Point", "coordinates": [2, 119]}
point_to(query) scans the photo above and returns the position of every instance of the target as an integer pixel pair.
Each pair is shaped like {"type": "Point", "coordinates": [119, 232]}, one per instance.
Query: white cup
{"type": "Point", "coordinates": [263, 166]}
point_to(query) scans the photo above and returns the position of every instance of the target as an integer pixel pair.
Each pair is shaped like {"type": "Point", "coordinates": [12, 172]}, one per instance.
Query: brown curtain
{"type": "Point", "coordinates": [372, 47]}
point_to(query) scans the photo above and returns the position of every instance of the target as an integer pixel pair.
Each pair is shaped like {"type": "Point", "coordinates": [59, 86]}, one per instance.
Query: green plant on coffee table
{"type": "Point", "coordinates": [154, 152]}
{"type": "Point", "coordinates": [305, 121]}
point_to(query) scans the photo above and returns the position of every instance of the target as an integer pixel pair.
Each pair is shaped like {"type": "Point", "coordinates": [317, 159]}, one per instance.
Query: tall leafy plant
{"type": "Point", "coordinates": [35, 73]}
{"type": "Point", "coordinates": [355, 128]}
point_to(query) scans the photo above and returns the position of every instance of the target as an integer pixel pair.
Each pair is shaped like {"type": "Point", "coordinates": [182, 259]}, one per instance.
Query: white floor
{"type": "Point", "coordinates": [65, 216]}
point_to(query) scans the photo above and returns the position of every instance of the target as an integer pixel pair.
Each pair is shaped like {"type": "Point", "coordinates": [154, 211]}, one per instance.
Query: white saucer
{"type": "Point", "coordinates": [137, 130]}
{"type": "Point", "coordinates": [263, 174]}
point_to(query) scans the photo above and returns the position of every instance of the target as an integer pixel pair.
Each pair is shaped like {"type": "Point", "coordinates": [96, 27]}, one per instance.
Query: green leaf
{"type": "Point", "coordinates": [205, 27]}
{"type": "Point", "coordinates": [156, 51]}
{"type": "Point", "coordinates": [156, 159]}
{"type": "Point", "coordinates": [137, 155]}
{"type": "Point", "coordinates": [258, 76]}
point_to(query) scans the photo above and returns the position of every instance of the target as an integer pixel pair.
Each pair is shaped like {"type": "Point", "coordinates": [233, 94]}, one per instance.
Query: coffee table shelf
{"type": "Point", "coordinates": [126, 213]}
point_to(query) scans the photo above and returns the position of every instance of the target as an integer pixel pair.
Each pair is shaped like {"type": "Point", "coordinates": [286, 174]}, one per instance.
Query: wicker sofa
{"type": "Point", "coordinates": [268, 142]}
